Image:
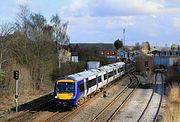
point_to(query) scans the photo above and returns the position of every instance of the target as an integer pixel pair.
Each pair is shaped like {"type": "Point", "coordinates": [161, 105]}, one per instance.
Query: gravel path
{"type": "Point", "coordinates": [134, 108]}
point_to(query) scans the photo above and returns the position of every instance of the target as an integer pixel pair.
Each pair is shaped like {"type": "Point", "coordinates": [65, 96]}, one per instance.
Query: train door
{"type": "Point", "coordinates": [105, 75]}
{"type": "Point", "coordinates": [97, 82]}
{"type": "Point", "coordinates": [107, 78]}
{"type": "Point", "coordinates": [85, 87]}
{"type": "Point", "coordinates": [114, 74]}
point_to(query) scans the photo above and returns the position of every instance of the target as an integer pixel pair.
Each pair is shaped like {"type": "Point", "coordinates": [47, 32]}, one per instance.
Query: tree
{"type": "Point", "coordinates": [22, 20]}
{"type": "Point", "coordinates": [5, 31]}
{"type": "Point", "coordinates": [174, 47]}
{"type": "Point", "coordinates": [146, 47]}
{"type": "Point", "coordinates": [118, 44]}
{"type": "Point", "coordinates": [21, 48]}
{"type": "Point", "coordinates": [60, 36]}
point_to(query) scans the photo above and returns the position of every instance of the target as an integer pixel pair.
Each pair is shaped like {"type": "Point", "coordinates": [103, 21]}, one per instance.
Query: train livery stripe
{"type": "Point", "coordinates": [66, 80]}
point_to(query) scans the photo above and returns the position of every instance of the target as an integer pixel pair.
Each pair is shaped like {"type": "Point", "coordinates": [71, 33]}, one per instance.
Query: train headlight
{"type": "Point", "coordinates": [56, 97]}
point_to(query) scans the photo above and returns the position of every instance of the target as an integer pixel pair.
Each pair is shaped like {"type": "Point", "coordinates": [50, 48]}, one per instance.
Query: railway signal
{"type": "Point", "coordinates": [16, 77]}
{"type": "Point", "coordinates": [16, 74]}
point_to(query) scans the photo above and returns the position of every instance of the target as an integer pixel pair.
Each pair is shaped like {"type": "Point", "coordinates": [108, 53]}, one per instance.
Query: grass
{"type": "Point", "coordinates": [172, 113]}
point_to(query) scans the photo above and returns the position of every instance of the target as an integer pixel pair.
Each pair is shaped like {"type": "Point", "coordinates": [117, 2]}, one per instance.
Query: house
{"type": "Point", "coordinates": [110, 55]}
{"type": "Point", "coordinates": [106, 50]}
{"type": "Point", "coordinates": [74, 56]}
{"type": "Point", "coordinates": [65, 55]}
{"type": "Point", "coordinates": [74, 49]}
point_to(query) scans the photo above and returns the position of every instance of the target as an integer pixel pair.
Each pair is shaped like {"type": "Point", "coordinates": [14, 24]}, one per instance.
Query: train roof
{"type": "Point", "coordinates": [84, 74]}
{"type": "Point", "coordinates": [88, 73]}
{"type": "Point", "coordinates": [111, 66]}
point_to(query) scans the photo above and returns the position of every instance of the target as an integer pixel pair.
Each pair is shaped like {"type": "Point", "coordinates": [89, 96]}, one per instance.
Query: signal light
{"type": "Point", "coordinates": [16, 74]}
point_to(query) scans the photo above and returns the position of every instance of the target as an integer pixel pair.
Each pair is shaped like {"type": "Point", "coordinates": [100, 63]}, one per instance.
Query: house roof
{"type": "Point", "coordinates": [99, 46]}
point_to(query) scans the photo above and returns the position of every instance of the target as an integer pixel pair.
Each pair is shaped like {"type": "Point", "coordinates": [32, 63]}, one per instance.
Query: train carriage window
{"type": "Point", "coordinates": [99, 79]}
{"type": "Point", "coordinates": [119, 70]}
{"type": "Point", "coordinates": [115, 72]}
{"type": "Point", "coordinates": [91, 83]}
{"type": "Point", "coordinates": [110, 74]}
{"type": "Point", "coordinates": [122, 69]}
{"type": "Point", "coordinates": [81, 87]}
{"type": "Point", "coordinates": [105, 76]}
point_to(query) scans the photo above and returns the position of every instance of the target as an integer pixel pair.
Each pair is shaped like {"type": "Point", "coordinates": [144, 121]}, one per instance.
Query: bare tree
{"type": "Point", "coordinates": [60, 36]}
{"type": "Point", "coordinates": [5, 31]}
{"type": "Point", "coordinates": [22, 27]}
{"type": "Point", "coordinates": [22, 20]}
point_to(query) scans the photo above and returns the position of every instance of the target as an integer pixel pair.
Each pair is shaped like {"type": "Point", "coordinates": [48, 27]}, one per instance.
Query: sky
{"type": "Point", "coordinates": [103, 21]}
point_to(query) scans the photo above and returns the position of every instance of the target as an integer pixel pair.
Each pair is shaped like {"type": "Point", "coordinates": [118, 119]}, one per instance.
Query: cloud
{"type": "Point", "coordinates": [116, 8]}
{"type": "Point", "coordinates": [176, 22]}
{"type": "Point", "coordinates": [23, 2]}
{"type": "Point", "coordinates": [105, 19]}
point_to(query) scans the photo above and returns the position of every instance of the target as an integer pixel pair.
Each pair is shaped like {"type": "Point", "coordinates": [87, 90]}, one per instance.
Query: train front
{"type": "Point", "coordinates": [65, 93]}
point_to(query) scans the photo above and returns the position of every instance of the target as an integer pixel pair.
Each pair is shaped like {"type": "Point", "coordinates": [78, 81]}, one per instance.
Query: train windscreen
{"type": "Point", "coordinates": [65, 87]}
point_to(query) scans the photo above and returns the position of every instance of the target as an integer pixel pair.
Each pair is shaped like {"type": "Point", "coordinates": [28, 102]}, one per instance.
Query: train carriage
{"type": "Point", "coordinates": [73, 89]}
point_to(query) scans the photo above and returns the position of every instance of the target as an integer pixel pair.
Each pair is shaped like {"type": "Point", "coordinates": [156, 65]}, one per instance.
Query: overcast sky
{"type": "Point", "coordinates": [156, 21]}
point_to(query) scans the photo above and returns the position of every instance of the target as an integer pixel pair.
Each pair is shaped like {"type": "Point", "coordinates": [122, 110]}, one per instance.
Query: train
{"type": "Point", "coordinates": [73, 90]}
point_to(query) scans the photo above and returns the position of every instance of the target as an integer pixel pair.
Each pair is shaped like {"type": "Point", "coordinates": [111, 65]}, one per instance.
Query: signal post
{"type": "Point", "coordinates": [16, 77]}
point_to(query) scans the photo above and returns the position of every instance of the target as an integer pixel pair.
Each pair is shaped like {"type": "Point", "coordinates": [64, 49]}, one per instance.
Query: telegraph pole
{"type": "Point", "coordinates": [16, 78]}
{"type": "Point", "coordinates": [124, 31]}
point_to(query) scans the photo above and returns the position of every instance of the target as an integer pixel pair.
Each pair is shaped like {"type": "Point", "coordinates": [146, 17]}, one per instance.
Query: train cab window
{"type": "Point", "coordinates": [81, 87]}
{"type": "Point", "coordinates": [91, 83]}
{"type": "Point", "coordinates": [65, 87]}
{"type": "Point", "coordinates": [99, 79]}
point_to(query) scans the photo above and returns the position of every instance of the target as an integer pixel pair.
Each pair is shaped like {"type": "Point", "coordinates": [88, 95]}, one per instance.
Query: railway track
{"type": "Point", "coordinates": [62, 115]}
{"type": "Point", "coordinates": [151, 98]}
{"type": "Point", "coordinates": [100, 116]}
{"type": "Point", "coordinates": [35, 110]}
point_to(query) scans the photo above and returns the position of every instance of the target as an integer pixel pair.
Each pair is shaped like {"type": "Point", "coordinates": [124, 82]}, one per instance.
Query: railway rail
{"type": "Point", "coordinates": [34, 110]}
{"type": "Point", "coordinates": [67, 114]}
{"type": "Point", "coordinates": [45, 107]}
{"type": "Point", "coordinates": [151, 97]}
{"type": "Point", "coordinates": [116, 100]}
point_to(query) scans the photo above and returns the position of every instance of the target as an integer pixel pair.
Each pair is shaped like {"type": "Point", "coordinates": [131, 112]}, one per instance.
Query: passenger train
{"type": "Point", "coordinates": [72, 90]}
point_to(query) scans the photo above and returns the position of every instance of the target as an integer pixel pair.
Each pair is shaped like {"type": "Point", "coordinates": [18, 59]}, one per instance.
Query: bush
{"type": "Point", "coordinates": [67, 69]}
{"type": "Point", "coordinates": [2, 78]}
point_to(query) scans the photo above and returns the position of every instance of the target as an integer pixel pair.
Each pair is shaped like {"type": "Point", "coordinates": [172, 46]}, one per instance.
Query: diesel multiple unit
{"type": "Point", "coordinates": [74, 89]}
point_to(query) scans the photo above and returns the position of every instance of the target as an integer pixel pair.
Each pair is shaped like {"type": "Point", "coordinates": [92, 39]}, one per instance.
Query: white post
{"type": "Point", "coordinates": [16, 95]}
